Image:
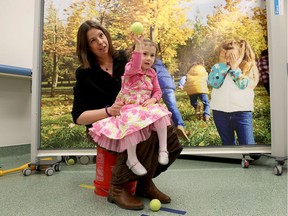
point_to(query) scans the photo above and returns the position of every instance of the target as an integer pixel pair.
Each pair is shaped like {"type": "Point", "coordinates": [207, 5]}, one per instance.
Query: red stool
{"type": "Point", "coordinates": [105, 161]}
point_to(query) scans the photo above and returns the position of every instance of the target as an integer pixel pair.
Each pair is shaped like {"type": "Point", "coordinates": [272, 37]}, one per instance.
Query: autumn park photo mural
{"type": "Point", "coordinates": [183, 29]}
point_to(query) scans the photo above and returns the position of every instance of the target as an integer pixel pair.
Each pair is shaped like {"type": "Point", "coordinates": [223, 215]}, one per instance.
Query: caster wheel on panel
{"type": "Point", "coordinates": [84, 160]}
{"type": "Point", "coordinates": [49, 171]}
{"type": "Point", "coordinates": [245, 163]}
{"type": "Point", "coordinates": [27, 172]}
{"type": "Point", "coordinates": [57, 167]}
{"type": "Point", "coordinates": [277, 170]}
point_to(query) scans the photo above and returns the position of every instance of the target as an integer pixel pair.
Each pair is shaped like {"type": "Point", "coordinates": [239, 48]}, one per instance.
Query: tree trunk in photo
{"type": "Point", "coordinates": [152, 35]}
{"type": "Point", "coordinates": [55, 71]}
{"type": "Point", "coordinates": [54, 76]}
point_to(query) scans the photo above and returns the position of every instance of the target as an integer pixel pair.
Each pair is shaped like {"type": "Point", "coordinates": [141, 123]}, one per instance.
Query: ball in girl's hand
{"type": "Point", "coordinates": [155, 205]}
{"type": "Point", "coordinates": [137, 28]}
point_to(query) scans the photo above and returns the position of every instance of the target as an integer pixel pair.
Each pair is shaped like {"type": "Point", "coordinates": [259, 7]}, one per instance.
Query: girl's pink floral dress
{"type": "Point", "coordinates": [135, 122]}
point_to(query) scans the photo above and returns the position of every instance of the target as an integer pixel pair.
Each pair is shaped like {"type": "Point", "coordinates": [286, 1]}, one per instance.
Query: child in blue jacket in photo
{"type": "Point", "coordinates": [168, 88]}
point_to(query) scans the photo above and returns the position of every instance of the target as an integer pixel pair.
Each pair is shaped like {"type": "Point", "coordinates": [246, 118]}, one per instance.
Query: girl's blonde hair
{"type": "Point", "coordinates": [248, 62]}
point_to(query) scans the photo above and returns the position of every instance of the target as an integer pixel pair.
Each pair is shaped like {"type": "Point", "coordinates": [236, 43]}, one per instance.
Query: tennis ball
{"type": "Point", "coordinates": [137, 28]}
{"type": "Point", "coordinates": [155, 205]}
{"type": "Point", "coordinates": [71, 161]}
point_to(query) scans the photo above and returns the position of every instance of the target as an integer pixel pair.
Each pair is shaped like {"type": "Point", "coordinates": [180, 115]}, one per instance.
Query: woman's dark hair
{"type": "Point", "coordinates": [85, 56]}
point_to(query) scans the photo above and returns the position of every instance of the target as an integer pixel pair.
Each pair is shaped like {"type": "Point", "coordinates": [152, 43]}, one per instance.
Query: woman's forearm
{"type": "Point", "coordinates": [91, 116]}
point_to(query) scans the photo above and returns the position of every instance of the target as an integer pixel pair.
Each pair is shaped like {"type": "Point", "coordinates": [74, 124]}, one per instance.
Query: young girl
{"type": "Point", "coordinates": [140, 114]}
{"type": "Point", "coordinates": [233, 80]}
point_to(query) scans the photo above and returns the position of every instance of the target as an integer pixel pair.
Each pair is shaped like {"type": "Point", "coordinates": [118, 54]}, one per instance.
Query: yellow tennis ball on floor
{"type": "Point", "coordinates": [137, 28]}
{"type": "Point", "coordinates": [155, 205]}
{"type": "Point", "coordinates": [71, 161]}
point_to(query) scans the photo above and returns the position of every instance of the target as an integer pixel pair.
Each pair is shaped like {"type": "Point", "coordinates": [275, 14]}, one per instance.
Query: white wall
{"type": "Point", "coordinates": [16, 38]}
{"type": "Point", "coordinates": [16, 49]}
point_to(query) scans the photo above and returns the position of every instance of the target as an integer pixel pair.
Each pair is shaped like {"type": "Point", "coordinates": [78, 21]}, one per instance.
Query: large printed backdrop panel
{"type": "Point", "coordinates": [184, 30]}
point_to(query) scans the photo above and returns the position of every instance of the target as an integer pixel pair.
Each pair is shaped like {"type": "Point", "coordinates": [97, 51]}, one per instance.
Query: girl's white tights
{"type": "Point", "coordinates": [163, 153]}
{"type": "Point", "coordinates": [131, 152]}
{"type": "Point", "coordinates": [133, 163]}
{"type": "Point", "coordinates": [162, 137]}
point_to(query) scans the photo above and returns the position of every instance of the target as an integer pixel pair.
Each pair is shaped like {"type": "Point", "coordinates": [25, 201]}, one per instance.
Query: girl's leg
{"type": "Point", "coordinates": [205, 100]}
{"type": "Point", "coordinates": [193, 100]}
{"type": "Point", "coordinates": [224, 127]}
{"type": "Point", "coordinates": [243, 124]}
{"type": "Point", "coordinates": [194, 103]}
{"type": "Point", "coordinates": [163, 153]}
{"type": "Point", "coordinates": [133, 163]}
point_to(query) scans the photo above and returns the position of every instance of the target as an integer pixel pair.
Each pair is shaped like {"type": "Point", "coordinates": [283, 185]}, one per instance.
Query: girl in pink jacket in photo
{"type": "Point", "coordinates": [141, 112]}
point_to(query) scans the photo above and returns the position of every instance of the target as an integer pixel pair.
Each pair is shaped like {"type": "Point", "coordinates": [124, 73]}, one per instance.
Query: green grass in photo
{"type": "Point", "coordinates": [59, 131]}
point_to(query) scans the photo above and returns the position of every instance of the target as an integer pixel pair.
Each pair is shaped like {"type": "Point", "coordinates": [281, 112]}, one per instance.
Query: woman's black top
{"type": "Point", "coordinates": [95, 88]}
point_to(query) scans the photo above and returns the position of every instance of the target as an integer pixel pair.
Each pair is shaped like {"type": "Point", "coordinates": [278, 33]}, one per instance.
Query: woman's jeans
{"type": "Point", "coordinates": [204, 99]}
{"type": "Point", "coordinates": [229, 123]}
{"type": "Point", "coordinates": [169, 99]}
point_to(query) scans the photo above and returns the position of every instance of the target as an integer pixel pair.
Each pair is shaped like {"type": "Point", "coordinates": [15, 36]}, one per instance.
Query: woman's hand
{"type": "Point", "coordinates": [149, 101]}
{"type": "Point", "coordinates": [114, 110]}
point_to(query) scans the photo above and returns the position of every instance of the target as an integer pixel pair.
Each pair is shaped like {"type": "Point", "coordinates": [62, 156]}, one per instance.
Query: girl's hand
{"type": "Point", "coordinates": [149, 101]}
{"type": "Point", "coordinates": [138, 39]}
{"type": "Point", "coordinates": [233, 58]}
{"type": "Point", "coordinates": [222, 56]}
{"type": "Point", "coordinates": [114, 110]}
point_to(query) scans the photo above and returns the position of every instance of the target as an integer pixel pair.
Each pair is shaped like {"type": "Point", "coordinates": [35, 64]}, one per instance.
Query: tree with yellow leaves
{"type": "Point", "coordinates": [55, 46]}
{"type": "Point", "coordinates": [164, 22]}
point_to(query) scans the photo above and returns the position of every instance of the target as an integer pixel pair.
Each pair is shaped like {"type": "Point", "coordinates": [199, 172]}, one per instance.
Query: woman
{"type": "Point", "coordinates": [98, 81]}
